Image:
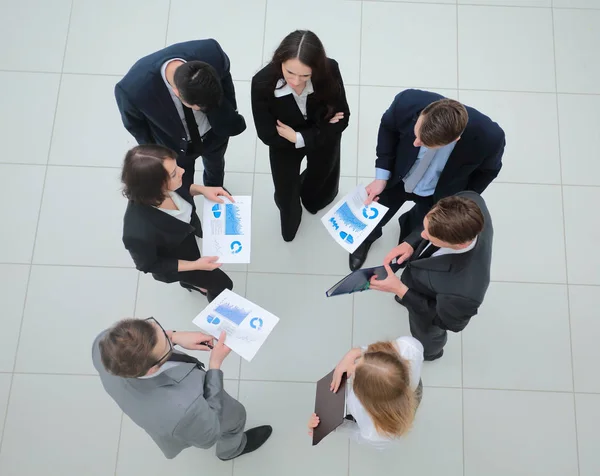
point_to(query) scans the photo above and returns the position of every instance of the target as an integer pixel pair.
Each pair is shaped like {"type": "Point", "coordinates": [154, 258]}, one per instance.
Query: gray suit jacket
{"type": "Point", "coordinates": [179, 408]}
{"type": "Point", "coordinates": [447, 290]}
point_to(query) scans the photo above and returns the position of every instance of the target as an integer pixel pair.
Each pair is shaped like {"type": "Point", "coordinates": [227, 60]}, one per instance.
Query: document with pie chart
{"type": "Point", "coordinates": [226, 229]}
{"type": "Point", "coordinates": [349, 221]}
{"type": "Point", "coordinates": [246, 324]}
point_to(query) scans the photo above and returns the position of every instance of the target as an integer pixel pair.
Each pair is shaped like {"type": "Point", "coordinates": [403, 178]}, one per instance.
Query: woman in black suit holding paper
{"type": "Point", "coordinates": [160, 224]}
{"type": "Point", "coordinates": [300, 109]}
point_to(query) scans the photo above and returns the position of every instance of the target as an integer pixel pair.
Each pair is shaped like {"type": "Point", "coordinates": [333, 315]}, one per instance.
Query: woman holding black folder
{"type": "Point", "coordinates": [300, 109]}
{"type": "Point", "coordinates": [384, 391]}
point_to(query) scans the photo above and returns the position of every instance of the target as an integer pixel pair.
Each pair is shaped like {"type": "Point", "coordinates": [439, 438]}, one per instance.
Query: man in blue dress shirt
{"type": "Point", "coordinates": [428, 148]}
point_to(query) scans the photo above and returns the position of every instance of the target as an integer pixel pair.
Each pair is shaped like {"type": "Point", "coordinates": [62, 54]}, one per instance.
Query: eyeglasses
{"type": "Point", "coordinates": [151, 319]}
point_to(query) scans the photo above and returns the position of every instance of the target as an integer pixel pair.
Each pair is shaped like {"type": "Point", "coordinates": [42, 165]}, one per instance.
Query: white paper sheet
{"type": "Point", "coordinates": [226, 229]}
{"type": "Point", "coordinates": [349, 221]}
{"type": "Point", "coordinates": [247, 325]}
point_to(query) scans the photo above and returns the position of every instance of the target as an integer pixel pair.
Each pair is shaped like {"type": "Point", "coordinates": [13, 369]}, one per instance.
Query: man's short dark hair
{"type": "Point", "coordinates": [198, 84]}
{"type": "Point", "coordinates": [443, 122]}
{"type": "Point", "coordinates": [144, 176]}
{"type": "Point", "coordinates": [127, 348]}
{"type": "Point", "coordinates": [455, 220]}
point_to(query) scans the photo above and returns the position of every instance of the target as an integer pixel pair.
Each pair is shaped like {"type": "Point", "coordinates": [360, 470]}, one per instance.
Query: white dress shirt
{"type": "Point", "coordinates": [283, 89]}
{"type": "Point", "coordinates": [184, 209]}
{"type": "Point", "coordinates": [364, 429]}
{"type": "Point", "coordinates": [201, 119]}
{"type": "Point", "coordinates": [451, 251]}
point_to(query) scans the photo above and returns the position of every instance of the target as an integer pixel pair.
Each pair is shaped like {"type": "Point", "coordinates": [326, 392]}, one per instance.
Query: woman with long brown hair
{"type": "Point", "coordinates": [300, 109]}
{"type": "Point", "coordinates": [383, 391]}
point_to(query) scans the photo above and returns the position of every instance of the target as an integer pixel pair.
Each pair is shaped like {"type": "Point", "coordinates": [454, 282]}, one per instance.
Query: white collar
{"type": "Point", "coordinates": [452, 251]}
{"type": "Point", "coordinates": [283, 89]}
{"type": "Point", "coordinates": [163, 73]}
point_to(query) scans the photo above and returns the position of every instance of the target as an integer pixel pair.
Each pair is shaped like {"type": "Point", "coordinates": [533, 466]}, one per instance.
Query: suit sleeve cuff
{"type": "Point", "coordinates": [382, 174]}
{"type": "Point", "coordinates": [299, 141]}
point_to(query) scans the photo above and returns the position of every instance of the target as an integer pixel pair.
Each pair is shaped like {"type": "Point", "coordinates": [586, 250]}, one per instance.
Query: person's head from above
{"type": "Point", "coordinates": [381, 383]}
{"type": "Point", "coordinates": [149, 172]}
{"type": "Point", "coordinates": [135, 348]}
{"type": "Point", "coordinates": [197, 85]}
{"type": "Point", "coordinates": [300, 57]}
{"type": "Point", "coordinates": [440, 123]}
{"type": "Point", "coordinates": [453, 222]}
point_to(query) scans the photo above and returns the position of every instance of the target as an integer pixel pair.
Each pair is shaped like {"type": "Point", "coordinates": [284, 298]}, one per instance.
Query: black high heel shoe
{"type": "Point", "coordinates": [191, 288]}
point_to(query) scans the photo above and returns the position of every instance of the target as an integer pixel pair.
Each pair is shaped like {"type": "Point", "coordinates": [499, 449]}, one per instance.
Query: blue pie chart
{"type": "Point", "coordinates": [216, 210]}
{"type": "Point", "coordinates": [370, 213]}
{"type": "Point", "coordinates": [346, 237]}
{"type": "Point", "coordinates": [236, 247]}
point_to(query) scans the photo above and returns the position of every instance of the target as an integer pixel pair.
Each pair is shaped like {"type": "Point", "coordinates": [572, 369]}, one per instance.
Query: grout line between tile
{"type": "Point", "coordinates": [35, 234]}
{"type": "Point", "coordinates": [564, 220]}
{"type": "Point", "coordinates": [119, 442]}
{"type": "Point", "coordinates": [168, 21]}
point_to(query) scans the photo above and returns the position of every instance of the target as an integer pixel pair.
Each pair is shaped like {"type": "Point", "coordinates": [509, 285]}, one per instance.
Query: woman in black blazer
{"type": "Point", "coordinates": [160, 224]}
{"type": "Point", "coordinates": [300, 109]}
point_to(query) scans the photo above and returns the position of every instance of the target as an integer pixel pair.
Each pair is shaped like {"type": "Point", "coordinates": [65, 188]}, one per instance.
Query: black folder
{"type": "Point", "coordinates": [330, 407]}
{"type": "Point", "coordinates": [359, 280]}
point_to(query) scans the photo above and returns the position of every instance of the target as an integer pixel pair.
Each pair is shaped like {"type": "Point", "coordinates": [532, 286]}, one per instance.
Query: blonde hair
{"type": "Point", "coordinates": [382, 384]}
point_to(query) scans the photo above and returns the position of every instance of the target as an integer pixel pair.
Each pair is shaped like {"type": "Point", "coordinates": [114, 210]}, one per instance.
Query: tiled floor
{"type": "Point", "coordinates": [517, 393]}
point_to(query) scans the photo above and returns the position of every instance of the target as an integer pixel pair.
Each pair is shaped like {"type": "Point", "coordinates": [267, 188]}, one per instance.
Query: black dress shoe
{"type": "Point", "coordinates": [191, 288]}
{"type": "Point", "coordinates": [357, 259]}
{"type": "Point", "coordinates": [255, 437]}
{"type": "Point", "coordinates": [434, 357]}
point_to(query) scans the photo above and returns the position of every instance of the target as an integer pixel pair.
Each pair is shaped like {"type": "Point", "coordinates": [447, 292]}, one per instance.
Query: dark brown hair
{"type": "Point", "coordinates": [198, 85]}
{"type": "Point", "coordinates": [144, 177]}
{"type": "Point", "coordinates": [382, 384]}
{"type": "Point", "coordinates": [307, 47]}
{"type": "Point", "coordinates": [455, 220]}
{"type": "Point", "coordinates": [126, 349]}
{"type": "Point", "coordinates": [443, 122]}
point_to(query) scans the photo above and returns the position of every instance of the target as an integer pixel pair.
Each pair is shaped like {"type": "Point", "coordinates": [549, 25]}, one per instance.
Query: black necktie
{"type": "Point", "coordinates": [192, 126]}
{"type": "Point", "coordinates": [177, 357]}
{"type": "Point", "coordinates": [428, 252]}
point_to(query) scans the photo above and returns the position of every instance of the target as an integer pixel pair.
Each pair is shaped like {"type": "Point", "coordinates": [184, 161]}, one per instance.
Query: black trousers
{"type": "Point", "coordinates": [215, 281]}
{"type": "Point", "coordinates": [316, 188]}
{"type": "Point", "coordinates": [431, 336]}
{"type": "Point", "coordinates": [393, 198]}
{"type": "Point", "coordinates": [213, 157]}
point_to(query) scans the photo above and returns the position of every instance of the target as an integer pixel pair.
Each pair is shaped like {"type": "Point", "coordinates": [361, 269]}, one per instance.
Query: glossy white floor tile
{"type": "Point", "coordinates": [588, 420]}
{"type": "Point", "coordinates": [80, 133]}
{"type": "Point", "coordinates": [517, 393]}
{"type": "Point", "coordinates": [528, 232]}
{"type": "Point", "coordinates": [104, 40]}
{"type": "Point", "coordinates": [73, 320]}
{"type": "Point", "coordinates": [581, 229]}
{"type": "Point", "coordinates": [59, 424]}
{"type": "Point", "coordinates": [19, 222]}
{"type": "Point", "coordinates": [531, 154]}
{"type": "Point", "coordinates": [42, 91]}
{"type": "Point", "coordinates": [579, 117]}
{"type": "Point", "coordinates": [519, 433]}
{"type": "Point", "coordinates": [13, 287]}
{"type": "Point", "coordinates": [196, 19]}
{"type": "Point", "coordinates": [399, 41]}
{"type": "Point", "coordinates": [288, 406]}
{"type": "Point", "coordinates": [81, 220]}
{"type": "Point", "coordinates": [505, 48]}
{"type": "Point", "coordinates": [35, 33]}
{"type": "Point", "coordinates": [585, 327]}
{"type": "Point", "coordinates": [538, 326]}
{"type": "Point", "coordinates": [576, 36]}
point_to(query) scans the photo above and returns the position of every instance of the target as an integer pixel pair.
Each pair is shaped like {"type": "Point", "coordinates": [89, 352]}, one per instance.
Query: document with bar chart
{"type": "Point", "coordinates": [247, 325]}
{"type": "Point", "coordinates": [349, 221]}
{"type": "Point", "coordinates": [226, 229]}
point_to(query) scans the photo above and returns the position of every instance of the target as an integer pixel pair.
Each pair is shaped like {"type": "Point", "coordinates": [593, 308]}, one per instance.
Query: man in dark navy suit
{"type": "Point", "coordinates": [428, 148]}
{"type": "Point", "coordinates": [183, 97]}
